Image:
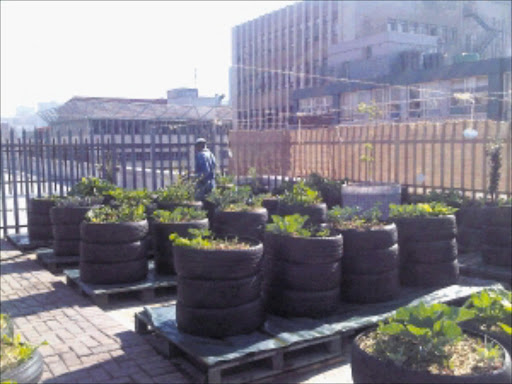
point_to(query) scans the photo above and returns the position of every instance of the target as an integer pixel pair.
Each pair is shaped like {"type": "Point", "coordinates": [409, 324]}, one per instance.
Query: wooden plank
{"type": "Point", "coordinates": [452, 155]}
{"type": "Point", "coordinates": [484, 165]}
{"type": "Point", "coordinates": [473, 161]}
{"type": "Point", "coordinates": [103, 132]}
{"type": "Point", "coordinates": [463, 162]}
{"type": "Point", "coordinates": [153, 158]}
{"type": "Point", "coordinates": [134, 168]}
{"type": "Point", "coordinates": [93, 162]}
{"type": "Point", "coordinates": [162, 173]}
{"type": "Point", "coordinates": [122, 132]}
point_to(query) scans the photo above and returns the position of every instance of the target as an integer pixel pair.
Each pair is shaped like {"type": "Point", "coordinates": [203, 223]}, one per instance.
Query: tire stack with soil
{"type": "Point", "coordinates": [39, 222]}
{"type": "Point", "coordinates": [317, 212]}
{"type": "Point", "coordinates": [370, 265]}
{"type": "Point", "coordinates": [219, 291]}
{"type": "Point", "coordinates": [164, 258]}
{"type": "Point", "coordinates": [302, 275]}
{"type": "Point", "coordinates": [66, 229]}
{"type": "Point", "coordinates": [113, 253]}
{"type": "Point", "coordinates": [497, 241]}
{"type": "Point", "coordinates": [271, 205]}
{"type": "Point", "coordinates": [249, 224]}
{"type": "Point", "coordinates": [469, 229]}
{"type": "Point", "coordinates": [428, 251]}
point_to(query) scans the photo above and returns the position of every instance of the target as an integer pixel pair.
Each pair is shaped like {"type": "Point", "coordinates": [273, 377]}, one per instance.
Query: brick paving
{"type": "Point", "coordinates": [85, 344]}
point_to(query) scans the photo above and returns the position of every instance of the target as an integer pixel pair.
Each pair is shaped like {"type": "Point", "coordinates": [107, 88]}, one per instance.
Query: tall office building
{"type": "Point", "coordinates": [311, 44]}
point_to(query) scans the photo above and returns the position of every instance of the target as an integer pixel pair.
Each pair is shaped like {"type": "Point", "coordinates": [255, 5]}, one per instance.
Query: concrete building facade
{"type": "Point", "coordinates": [312, 44]}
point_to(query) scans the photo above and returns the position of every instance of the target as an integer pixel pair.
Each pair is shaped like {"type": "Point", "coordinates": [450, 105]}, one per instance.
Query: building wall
{"type": "Point", "coordinates": [280, 52]}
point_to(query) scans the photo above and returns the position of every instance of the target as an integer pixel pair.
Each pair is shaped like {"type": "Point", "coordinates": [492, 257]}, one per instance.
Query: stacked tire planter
{"type": "Point", "coordinates": [113, 253]}
{"type": "Point", "coordinates": [219, 291]}
{"type": "Point", "coordinates": [248, 224]}
{"type": "Point", "coordinates": [66, 229]}
{"type": "Point", "coordinates": [164, 259]}
{"type": "Point", "coordinates": [317, 212]}
{"type": "Point", "coordinates": [39, 222]}
{"type": "Point", "coordinates": [469, 229]}
{"type": "Point", "coordinates": [497, 239]}
{"type": "Point", "coordinates": [367, 368]}
{"type": "Point", "coordinates": [428, 251]}
{"type": "Point", "coordinates": [302, 275]}
{"type": "Point", "coordinates": [370, 265]}
{"type": "Point", "coordinates": [271, 205]}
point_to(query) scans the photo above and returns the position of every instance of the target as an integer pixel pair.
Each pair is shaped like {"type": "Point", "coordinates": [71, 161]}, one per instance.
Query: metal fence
{"type": "Point", "coordinates": [35, 164]}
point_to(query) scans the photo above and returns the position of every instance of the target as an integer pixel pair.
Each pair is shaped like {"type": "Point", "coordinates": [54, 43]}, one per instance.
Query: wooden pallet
{"type": "Point", "coordinates": [283, 345]}
{"type": "Point", "coordinates": [22, 242]}
{"type": "Point", "coordinates": [56, 264]}
{"type": "Point", "coordinates": [472, 265]}
{"type": "Point", "coordinates": [252, 367]}
{"type": "Point", "coordinates": [146, 290]}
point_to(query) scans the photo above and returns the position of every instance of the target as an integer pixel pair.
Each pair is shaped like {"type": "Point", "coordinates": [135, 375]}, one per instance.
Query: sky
{"type": "Point", "coordinates": [54, 50]}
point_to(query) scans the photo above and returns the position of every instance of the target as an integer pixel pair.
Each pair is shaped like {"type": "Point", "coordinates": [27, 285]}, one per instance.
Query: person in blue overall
{"type": "Point", "coordinates": [205, 170]}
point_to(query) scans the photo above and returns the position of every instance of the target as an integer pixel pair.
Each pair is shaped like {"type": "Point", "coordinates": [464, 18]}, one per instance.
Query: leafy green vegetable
{"type": "Point", "coordinates": [75, 201]}
{"type": "Point", "coordinates": [133, 198]}
{"type": "Point", "coordinates": [294, 225]}
{"type": "Point", "coordinates": [14, 352]}
{"type": "Point", "coordinates": [420, 210]}
{"type": "Point", "coordinates": [203, 239]}
{"type": "Point", "coordinates": [301, 195]}
{"type": "Point", "coordinates": [350, 217]}
{"type": "Point", "coordinates": [126, 213]}
{"type": "Point", "coordinates": [492, 309]}
{"type": "Point", "coordinates": [179, 215]}
{"type": "Point", "coordinates": [235, 199]}
{"type": "Point", "coordinates": [91, 186]}
{"type": "Point", "coordinates": [179, 192]}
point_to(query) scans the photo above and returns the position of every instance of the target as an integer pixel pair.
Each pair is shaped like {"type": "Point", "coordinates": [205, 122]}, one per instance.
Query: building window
{"type": "Point", "coordinates": [414, 28]}
{"type": "Point", "coordinates": [392, 25]}
{"type": "Point", "coordinates": [368, 52]}
{"type": "Point", "coordinates": [403, 26]}
{"type": "Point", "coordinates": [414, 102]}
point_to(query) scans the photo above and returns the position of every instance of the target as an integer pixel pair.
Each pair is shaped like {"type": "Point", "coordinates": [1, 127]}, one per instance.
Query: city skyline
{"type": "Point", "coordinates": [52, 51]}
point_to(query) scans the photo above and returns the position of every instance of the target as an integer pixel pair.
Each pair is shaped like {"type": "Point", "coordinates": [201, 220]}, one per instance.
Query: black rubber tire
{"type": "Point", "coordinates": [370, 369]}
{"type": "Point", "coordinates": [426, 228]}
{"type": "Point", "coordinates": [30, 371]}
{"type": "Point", "coordinates": [172, 206]}
{"type": "Point", "coordinates": [498, 236]}
{"type": "Point", "coordinates": [66, 231]}
{"type": "Point", "coordinates": [499, 256]}
{"type": "Point", "coordinates": [431, 252]}
{"type": "Point", "coordinates": [469, 239]}
{"type": "Point", "coordinates": [375, 288]}
{"type": "Point", "coordinates": [291, 303]}
{"type": "Point", "coordinates": [429, 275]}
{"type": "Point", "coordinates": [40, 232]}
{"type": "Point", "coordinates": [114, 273]}
{"type": "Point", "coordinates": [68, 215]}
{"type": "Point", "coordinates": [242, 224]}
{"type": "Point", "coordinates": [111, 233]}
{"type": "Point", "coordinates": [66, 247]}
{"type": "Point", "coordinates": [218, 264]}
{"type": "Point", "coordinates": [218, 293]}
{"type": "Point", "coordinates": [370, 261]}
{"type": "Point", "coordinates": [317, 212]}
{"type": "Point", "coordinates": [41, 206]}
{"type": "Point", "coordinates": [499, 216]}
{"type": "Point", "coordinates": [220, 323]}
{"type": "Point", "coordinates": [372, 239]}
{"type": "Point", "coordinates": [164, 259]}
{"type": "Point", "coordinates": [310, 250]}
{"type": "Point", "coordinates": [38, 219]}
{"type": "Point", "coordinates": [271, 205]}
{"type": "Point", "coordinates": [470, 217]}
{"type": "Point", "coordinates": [111, 253]}
{"type": "Point", "coordinates": [304, 277]}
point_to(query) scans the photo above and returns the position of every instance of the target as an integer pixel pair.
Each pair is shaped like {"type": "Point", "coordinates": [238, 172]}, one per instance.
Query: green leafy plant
{"type": "Point", "coordinates": [492, 309]}
{"type": "Point", "coordinates": [91, 186]}
{"type": "Point", "coordinates": [126, 213]}
{"type": "Point", "coordinates": [14, 352]}
{"type": "Point", "coordinates": [295, 225]}
{"type": "Point", "coordinates": [74, 201]}
{"type": "Point", "coordinates": [351, 218]}
{"type": "Point", "coordinates": [301, 194]}
{"type": "Point", "coordinates": [417, 336]}
{"type": "Point", "coordinates": [224, 180]}
{"type": "Point", "coordinates": [420, 210]}
{"type": "Point", "coordinates": [235, 199]}
{"type": "Point", "coordinates": [133, 198]}
{"type": "Point", "coordinates": [286, 186]}
{"type": "Point", "coordinates": [203, 239]}
{"type": "Point", "coordinates": [4, 320]}
{"type": "Point", "coordinates": [179, 192]}
{"type": "Point", "coordinates": [179, 215]}
{"type": "Point", "coordinates": [493, 151]}
{"type": "Point", "coordinates": [329, 189]}
{"type": "Point", "coordinates": [368, 158]}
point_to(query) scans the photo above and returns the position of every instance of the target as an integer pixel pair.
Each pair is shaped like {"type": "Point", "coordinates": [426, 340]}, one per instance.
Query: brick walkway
{"type": "Point", "coordinates": [86, 345]}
